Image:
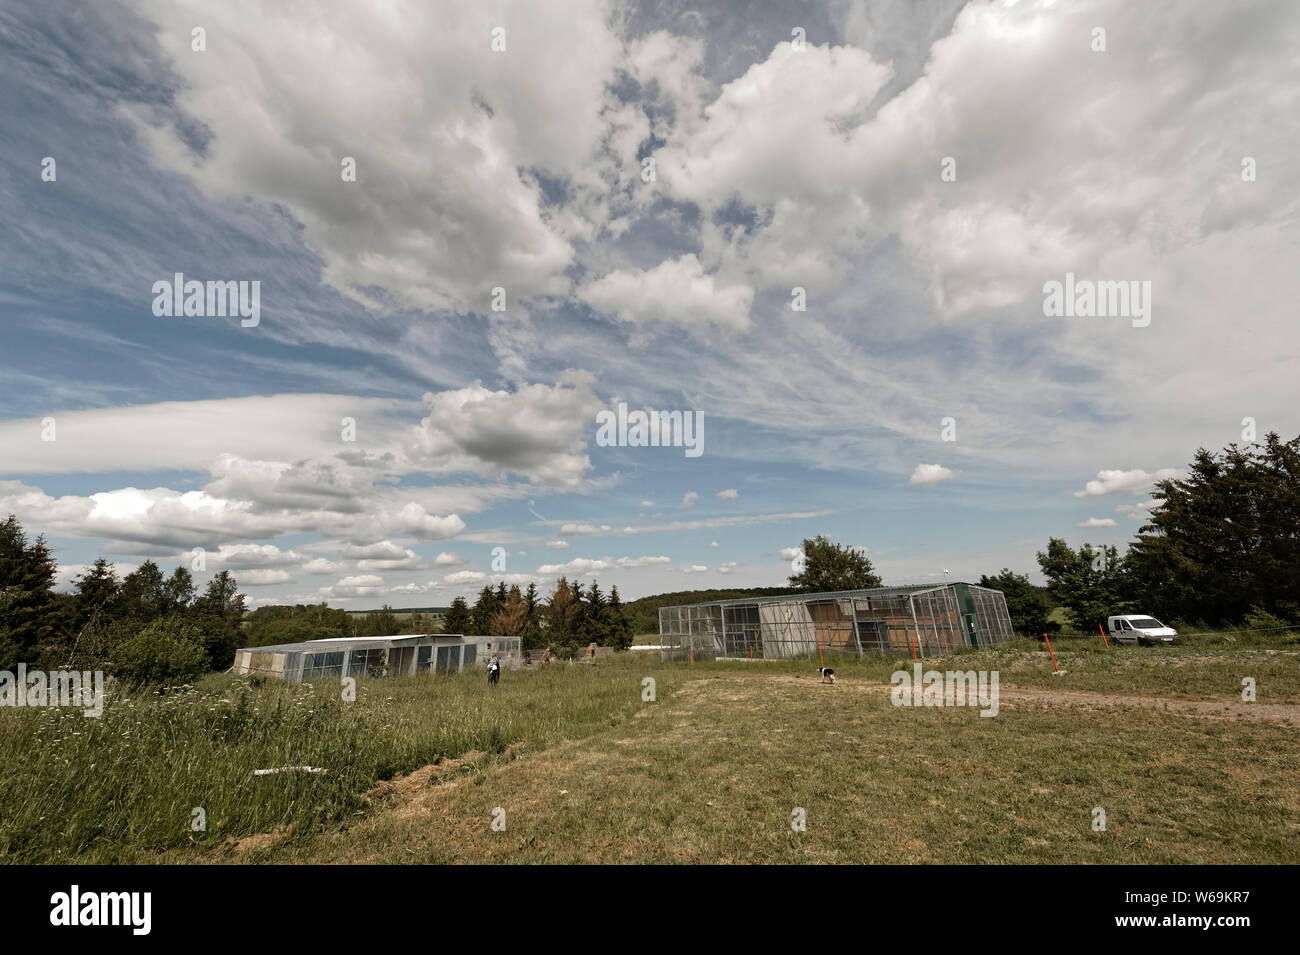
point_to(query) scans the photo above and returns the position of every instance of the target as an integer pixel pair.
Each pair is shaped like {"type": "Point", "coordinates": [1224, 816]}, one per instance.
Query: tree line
{"type": "Point", "coordinates": [1221, 546]}
{"type": "Point", "coordinates": [144, 627]}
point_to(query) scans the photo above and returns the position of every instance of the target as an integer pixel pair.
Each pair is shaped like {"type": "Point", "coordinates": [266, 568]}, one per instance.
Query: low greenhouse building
{"type": "Point", "coordinates": [925, 619]}
{"type": "Point", "coordinates": [399, 655]}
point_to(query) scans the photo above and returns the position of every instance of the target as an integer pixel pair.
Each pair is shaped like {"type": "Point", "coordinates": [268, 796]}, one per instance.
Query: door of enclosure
{"type": "Point", "coordinates": [448, 659]}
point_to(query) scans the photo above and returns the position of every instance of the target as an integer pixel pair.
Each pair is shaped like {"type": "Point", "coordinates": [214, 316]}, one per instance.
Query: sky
{"type": "Point", "coordinates": [822, 233]}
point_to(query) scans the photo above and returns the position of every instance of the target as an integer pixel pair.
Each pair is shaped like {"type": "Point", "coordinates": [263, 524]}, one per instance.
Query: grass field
{"type": "Point", "coordinates": [584, 770]}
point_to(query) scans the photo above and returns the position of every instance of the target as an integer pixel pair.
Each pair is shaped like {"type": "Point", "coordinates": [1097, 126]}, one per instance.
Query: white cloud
{"type": "Point", "coordinates": [1097, 522]}
{"type": "Point", "coordinates": [581, 530]}
{"type": "Point", "coordinates": [594, 565]}
{"type": "Point", "coordinates": [557, 544]}
{"type": "Point", "coordinates": [647, 503]}
{"type": "Point", "coordinates": [677, 292]}
{"type": "Point", "coordinates": [537, 431]}
{"type": "Point", "coordinates": [446, 135]}
{"type": "Point", "coordinates": [694, 569]}
{"type": "Point", "coordinates": [360, 585]}
{"type": "Point", "coordinates": [689, 499]}
{"type": "Point", "coordinates": [730, 494]}
{"type": "Point", "coordinates": [262, 577]}
{"type": "Point", "coordinates": [321, 565]}
{"type": "Point", "coordinates": [930, 474]}
{"type": "Point", "coordinates": [1141, 511]}
{"type": "Point", "coordinates": [464, 577]}
{"type": "Point", "coordinates": [714, 544]}
{"type": "Point", "coordinates": [1112, 481]}
{"type": "Point", "coordinates": [446, 559]}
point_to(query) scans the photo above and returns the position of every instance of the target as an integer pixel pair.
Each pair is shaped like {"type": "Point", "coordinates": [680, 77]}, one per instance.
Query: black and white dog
{"type": "Point", "coordinates": [828, 675]}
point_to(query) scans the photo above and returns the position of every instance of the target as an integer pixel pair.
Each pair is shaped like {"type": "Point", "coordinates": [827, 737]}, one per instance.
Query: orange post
{"type": "Point", "coordinates": [820, 661]}
{"type": "Point", "coordinates": [912, 644]}
{"type": "Point", "coordinates": [692, 655]}
{"type": "Point", "coordinates": [647, 658]}
{"type": "Point", "coordinates": [1103, 637]}
{"type": "Point", "coordinates": [1049, 650]}
{"type": "Point", "coordinates": [751, 651]}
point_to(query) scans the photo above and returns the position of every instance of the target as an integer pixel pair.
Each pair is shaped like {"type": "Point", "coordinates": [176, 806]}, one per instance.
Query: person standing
{"type": "Point", "coordinates": [494, 670]}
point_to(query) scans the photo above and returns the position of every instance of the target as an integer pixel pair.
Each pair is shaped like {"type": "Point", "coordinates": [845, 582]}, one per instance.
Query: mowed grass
{"type": "Point", "coordinates": [584, 770]}
{"type": "Point", "coordinates": [714, 773]}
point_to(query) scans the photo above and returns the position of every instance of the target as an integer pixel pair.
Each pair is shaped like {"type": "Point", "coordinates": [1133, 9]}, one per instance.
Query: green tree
{"type": "Point", "coordinates": [457, 618]}
{"type": "Point", "coordinates": [178, 592]}
{"type": "Point", "coordinates": [485, 608]}
{"type": "Point", "coordinates": [1226, 538]}
{"type": "Point", "coordinates": [219, 617]}
{"type": "Point", "coordinates": [619, 626]}
{"type": "Point", "coordinates": [561, 616]}
{"type": "Point", "coordinates": [1090, 583]}
{"type": "Point", "coordinates": [532, 624]}
{"type": "Point", "coordinates": [164, 652]}
{"type": "Point", "coordinates": [828, 567]}
{"type": "Point", "coordinates": [143, 594]}
{"type": "Point", "coordinates": [98, 590]}
{"type": "Point", "coordinates": [29, 617]}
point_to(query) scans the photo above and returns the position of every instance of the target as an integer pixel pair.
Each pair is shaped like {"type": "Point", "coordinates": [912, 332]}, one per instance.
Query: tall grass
{"type": "Point", "coordinates": [124, 786]}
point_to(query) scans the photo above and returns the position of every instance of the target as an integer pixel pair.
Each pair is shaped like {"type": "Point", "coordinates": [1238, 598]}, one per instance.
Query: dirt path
{"type": "Point", "coordinates": [1286, 713]}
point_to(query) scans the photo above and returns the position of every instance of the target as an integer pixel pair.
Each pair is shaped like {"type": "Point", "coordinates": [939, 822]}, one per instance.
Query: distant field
{"type": "Point", "coordinates": [710, 772]}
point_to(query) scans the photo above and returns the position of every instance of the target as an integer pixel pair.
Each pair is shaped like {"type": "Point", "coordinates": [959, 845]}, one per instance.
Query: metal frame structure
{"type": "Point", "coordinates": [925, 619]}
{"type": "Point", "coordinates": [337, 658]}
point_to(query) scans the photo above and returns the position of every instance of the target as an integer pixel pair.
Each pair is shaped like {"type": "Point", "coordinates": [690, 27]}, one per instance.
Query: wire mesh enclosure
{"type": "Point", "coordinates": [927, 619]}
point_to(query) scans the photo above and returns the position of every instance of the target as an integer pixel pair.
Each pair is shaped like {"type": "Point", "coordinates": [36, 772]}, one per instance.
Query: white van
{"type": "Point", "coordinates": [1141, 629]}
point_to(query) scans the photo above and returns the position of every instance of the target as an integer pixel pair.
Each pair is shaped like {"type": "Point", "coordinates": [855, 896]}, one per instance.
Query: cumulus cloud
{"type": "Point", "coordinates": [359, 585]}
{"type": "Point", "coordinates": [321, 565]}
{"type": "Point", "coordinates": [450, 139]}
{"type": "Point", "coordinates": [1113, 481]}
{"type": "Point", "coordinates": [465, 577]}
{"type": "Point", "coordinates": [1098, 522]}
{"type": "Point", "coordinates": [263, 577]}
{"type": "Point", "coordinates": [676, 292]}
{"type": "Point", "coordinates": [689, 499]}
{"type": "Point", "coordinates": [730, 494]}
{"type": "Point", "coordinates": [931, 474]}
{"type": "Point", "coordinates": [537, 431]}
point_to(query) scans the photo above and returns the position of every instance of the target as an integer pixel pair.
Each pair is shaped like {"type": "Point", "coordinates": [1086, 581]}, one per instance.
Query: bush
{"type": "Point", "coordinates": [1261, 619]}
{"type": "Point", "coordinates": [167, 651]}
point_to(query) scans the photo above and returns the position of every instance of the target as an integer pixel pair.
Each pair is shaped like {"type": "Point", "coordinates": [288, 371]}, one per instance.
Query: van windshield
{"type": "Point", "coordinates": [1146, 623]}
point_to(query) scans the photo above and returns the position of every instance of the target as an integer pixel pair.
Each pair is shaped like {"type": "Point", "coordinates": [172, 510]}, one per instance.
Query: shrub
{"type": "Point", "coordinates": [167, 651]}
